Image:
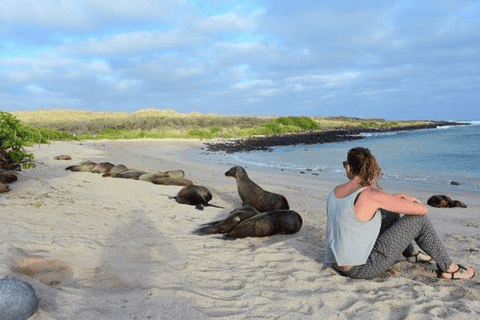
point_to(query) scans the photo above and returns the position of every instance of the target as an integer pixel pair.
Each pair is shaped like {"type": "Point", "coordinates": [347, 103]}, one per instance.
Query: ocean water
{"type": "Point", "coordinates": [434, 156]}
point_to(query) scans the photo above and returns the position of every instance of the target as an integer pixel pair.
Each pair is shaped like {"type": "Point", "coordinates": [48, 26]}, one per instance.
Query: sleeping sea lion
{"type": "Point", "coordinates": [197, 196]}
{"type": "Point", "coordinates": [18, 300]}
{"type": "Point", "coordinates": [6, 177]}
{"type": "Point", "coordinates": [223, 226]}
{"type": "Point", "coordinates": [62, 157]}
{"type": "Point", "coordinates": [128, 174]}
{"type": "Point", "coordinates": [4, 187]}
{"type": "Point", "coordinates": [442, 201]}
{"type": "Point", "coordinates": [103, 167]}
{"type": "Point", "coordinates": [267, 224]}
{"type": "Point", "coordinates": [169, 181]}
{"type": "Point", "coordinates": [86, 166]}
{"type": "Point", "coordinates": [253, 195]}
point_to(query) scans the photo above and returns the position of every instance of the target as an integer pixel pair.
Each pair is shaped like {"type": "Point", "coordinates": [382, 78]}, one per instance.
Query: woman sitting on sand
{"type": "Point", "coordinates": [365, 238]}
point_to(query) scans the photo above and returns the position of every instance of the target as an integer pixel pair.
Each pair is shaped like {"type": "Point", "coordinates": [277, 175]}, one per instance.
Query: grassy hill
{"type": "Point", "coordinates": [153, 123]}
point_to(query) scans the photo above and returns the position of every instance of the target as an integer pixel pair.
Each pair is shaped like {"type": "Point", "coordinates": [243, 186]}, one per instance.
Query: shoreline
{"type": "Point", "coordinates": [337, 135]}
{"type": "Point", "coordinates": [132, 253]}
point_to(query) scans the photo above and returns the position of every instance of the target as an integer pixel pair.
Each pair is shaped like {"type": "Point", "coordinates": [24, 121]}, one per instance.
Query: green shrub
{"type": "Point", "coordinates": [370, 124]}
{"type": "Point", "coordinates": [13, 137]}
{"type": "Point", "coordinates": [199, 134]}
{"type": "Point", "coordinates": [301, 122]}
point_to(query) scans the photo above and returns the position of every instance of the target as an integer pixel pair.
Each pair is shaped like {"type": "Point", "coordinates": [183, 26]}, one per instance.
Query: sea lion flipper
{"type": "Point", "coordinates": [212, 205]}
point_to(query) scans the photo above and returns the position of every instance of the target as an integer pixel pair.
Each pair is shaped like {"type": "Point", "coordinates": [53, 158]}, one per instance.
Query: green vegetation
{"type": "Point", "coordinates": [160, 124]}
{"type": "Point", "coordinates": [14, 136]}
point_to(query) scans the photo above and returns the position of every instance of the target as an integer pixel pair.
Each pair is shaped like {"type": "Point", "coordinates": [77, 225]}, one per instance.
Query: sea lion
{"type": "Point", "coordinates": [176, 174]}
{"type": "Point", "coordinates": [197, 196]}
{"type": "Point", "coordinates": [442, 201]}
{"type": "Point", "coordinates": [223, 226]}
{"type": "Point", "coordinates": [103, 167]}
{"type": "Point", "coordinates": [168, 181]}
{"type": "Point", "coordinates": [149, 177]}
{"type": "Point", "coordinates": [86, 166]}
{"type": "Point", "coordinates": [157, 176]}
{"type": "Point", "coordinates": [253, 195]}
{"type": "Point", "coordinates": [118, 168]}
{"type": "Point", "coordinates": [18, 300]}
{"type": "Point", "coordinates": [128, 174]}
{"type": "Point", "coordinates": [4, 187]}
{"type": "Point", "coordinates": [6, 177]}
{"type": "Point", "coordinates": [62, 157]}
{"type": "Point", "coordinates": [115, 169]}
{"type": "Point", "coordinates": [267, 224]}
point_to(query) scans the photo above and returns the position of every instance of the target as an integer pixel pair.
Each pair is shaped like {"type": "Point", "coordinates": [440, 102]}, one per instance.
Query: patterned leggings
{"type": "Point", "coordinates": [395, 239]}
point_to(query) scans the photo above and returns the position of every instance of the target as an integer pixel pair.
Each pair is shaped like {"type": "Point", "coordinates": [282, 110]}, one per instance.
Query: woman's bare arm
{"type": "Point", "coordinates": [398, 203]}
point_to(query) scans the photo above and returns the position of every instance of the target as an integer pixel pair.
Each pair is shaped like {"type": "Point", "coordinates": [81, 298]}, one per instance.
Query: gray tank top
{"type": "Point", "coordinates": [349, 240]}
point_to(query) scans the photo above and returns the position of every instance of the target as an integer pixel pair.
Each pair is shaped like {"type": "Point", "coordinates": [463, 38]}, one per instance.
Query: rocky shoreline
{"type": "Point", "coordinates": [266, 143]}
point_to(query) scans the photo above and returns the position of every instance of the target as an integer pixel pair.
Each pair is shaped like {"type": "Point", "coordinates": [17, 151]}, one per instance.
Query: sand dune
{"type": "Point", "coordinates": [131, 254]}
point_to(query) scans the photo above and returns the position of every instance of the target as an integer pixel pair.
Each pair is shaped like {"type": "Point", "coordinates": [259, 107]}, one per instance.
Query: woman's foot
{"type": "Point", "coordinates": [419, 257]}
{"type": "Point", "coordinates": [458, 272]}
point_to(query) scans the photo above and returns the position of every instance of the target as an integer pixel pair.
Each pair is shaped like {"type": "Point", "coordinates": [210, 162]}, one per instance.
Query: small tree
{"type": "Point", "coordinates": [13, 137]}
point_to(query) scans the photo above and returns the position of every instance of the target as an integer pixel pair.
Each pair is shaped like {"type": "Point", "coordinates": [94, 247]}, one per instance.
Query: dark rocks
{"type": "Point", "coordinates": [266, 143]}
{"type": "Point", "coordinates": [18, 300]}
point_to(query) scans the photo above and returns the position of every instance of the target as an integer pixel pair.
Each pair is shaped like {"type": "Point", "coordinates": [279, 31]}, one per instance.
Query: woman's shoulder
{"type": "Point", "coordinates": [373, 194]}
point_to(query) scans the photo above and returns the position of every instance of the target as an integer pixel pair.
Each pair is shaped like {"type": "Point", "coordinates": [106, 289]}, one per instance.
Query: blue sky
{"type": "Point", "coordinates": [381, 59]}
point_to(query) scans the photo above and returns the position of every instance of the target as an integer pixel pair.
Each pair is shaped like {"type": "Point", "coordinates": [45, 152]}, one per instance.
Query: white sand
{"type": "Point", "coordinates": [133, 256]}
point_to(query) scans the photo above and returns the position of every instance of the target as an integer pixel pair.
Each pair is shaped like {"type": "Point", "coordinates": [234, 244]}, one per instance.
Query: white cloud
{"type": "Point", "coordinates": [84, 14]}
{"type": "Point", "coordinates": [333, 80]}
{"type": "Point", "coordinates": [35, 89]}
{"type": "Point", "coordinates": [101, 67]}
{"type": "Point", "coordinates": [298, 88]}
{"type": "Point", "coordinates": [269, 92]}
{"type": "Point", "coordinates": [245, 47]}
{"type": "Point", "coordinates": [223, 22]}
{"type": "Point", "coordinates": [127, 84]}
{"type": "Point", "coordinates": [134, 43]}
{"type": "Point", "coordinates": [182, 73]}
{"type": "Point", "coordinates": [251, 84]}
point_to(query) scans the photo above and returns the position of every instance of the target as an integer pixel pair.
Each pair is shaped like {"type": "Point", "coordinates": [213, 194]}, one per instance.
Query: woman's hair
{"type": "Point", "coordinates": [363, 164]}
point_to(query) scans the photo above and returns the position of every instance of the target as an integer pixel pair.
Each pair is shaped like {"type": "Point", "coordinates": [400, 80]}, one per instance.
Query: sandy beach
{"type": "Point", "coordinates": [122, 249]}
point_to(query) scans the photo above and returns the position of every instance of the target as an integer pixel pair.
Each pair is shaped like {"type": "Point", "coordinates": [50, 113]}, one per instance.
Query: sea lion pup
{"type": "Point", "coordinates": [253, 195]}
{"type": "Point", "coordinates": [18, 300]}
{"type": "Point", "coordinates": [442, 201]}
{"type": "Point", "coordinates": [197, 196]}
{"type": "Point", "coordinates": [223, 226]}
{"type": "Point", "coordinates": [267, 224]}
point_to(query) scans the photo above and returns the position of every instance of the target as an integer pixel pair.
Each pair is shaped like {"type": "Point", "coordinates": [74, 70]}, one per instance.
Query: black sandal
{"type": "Point", "coordinates": [453, 273]}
